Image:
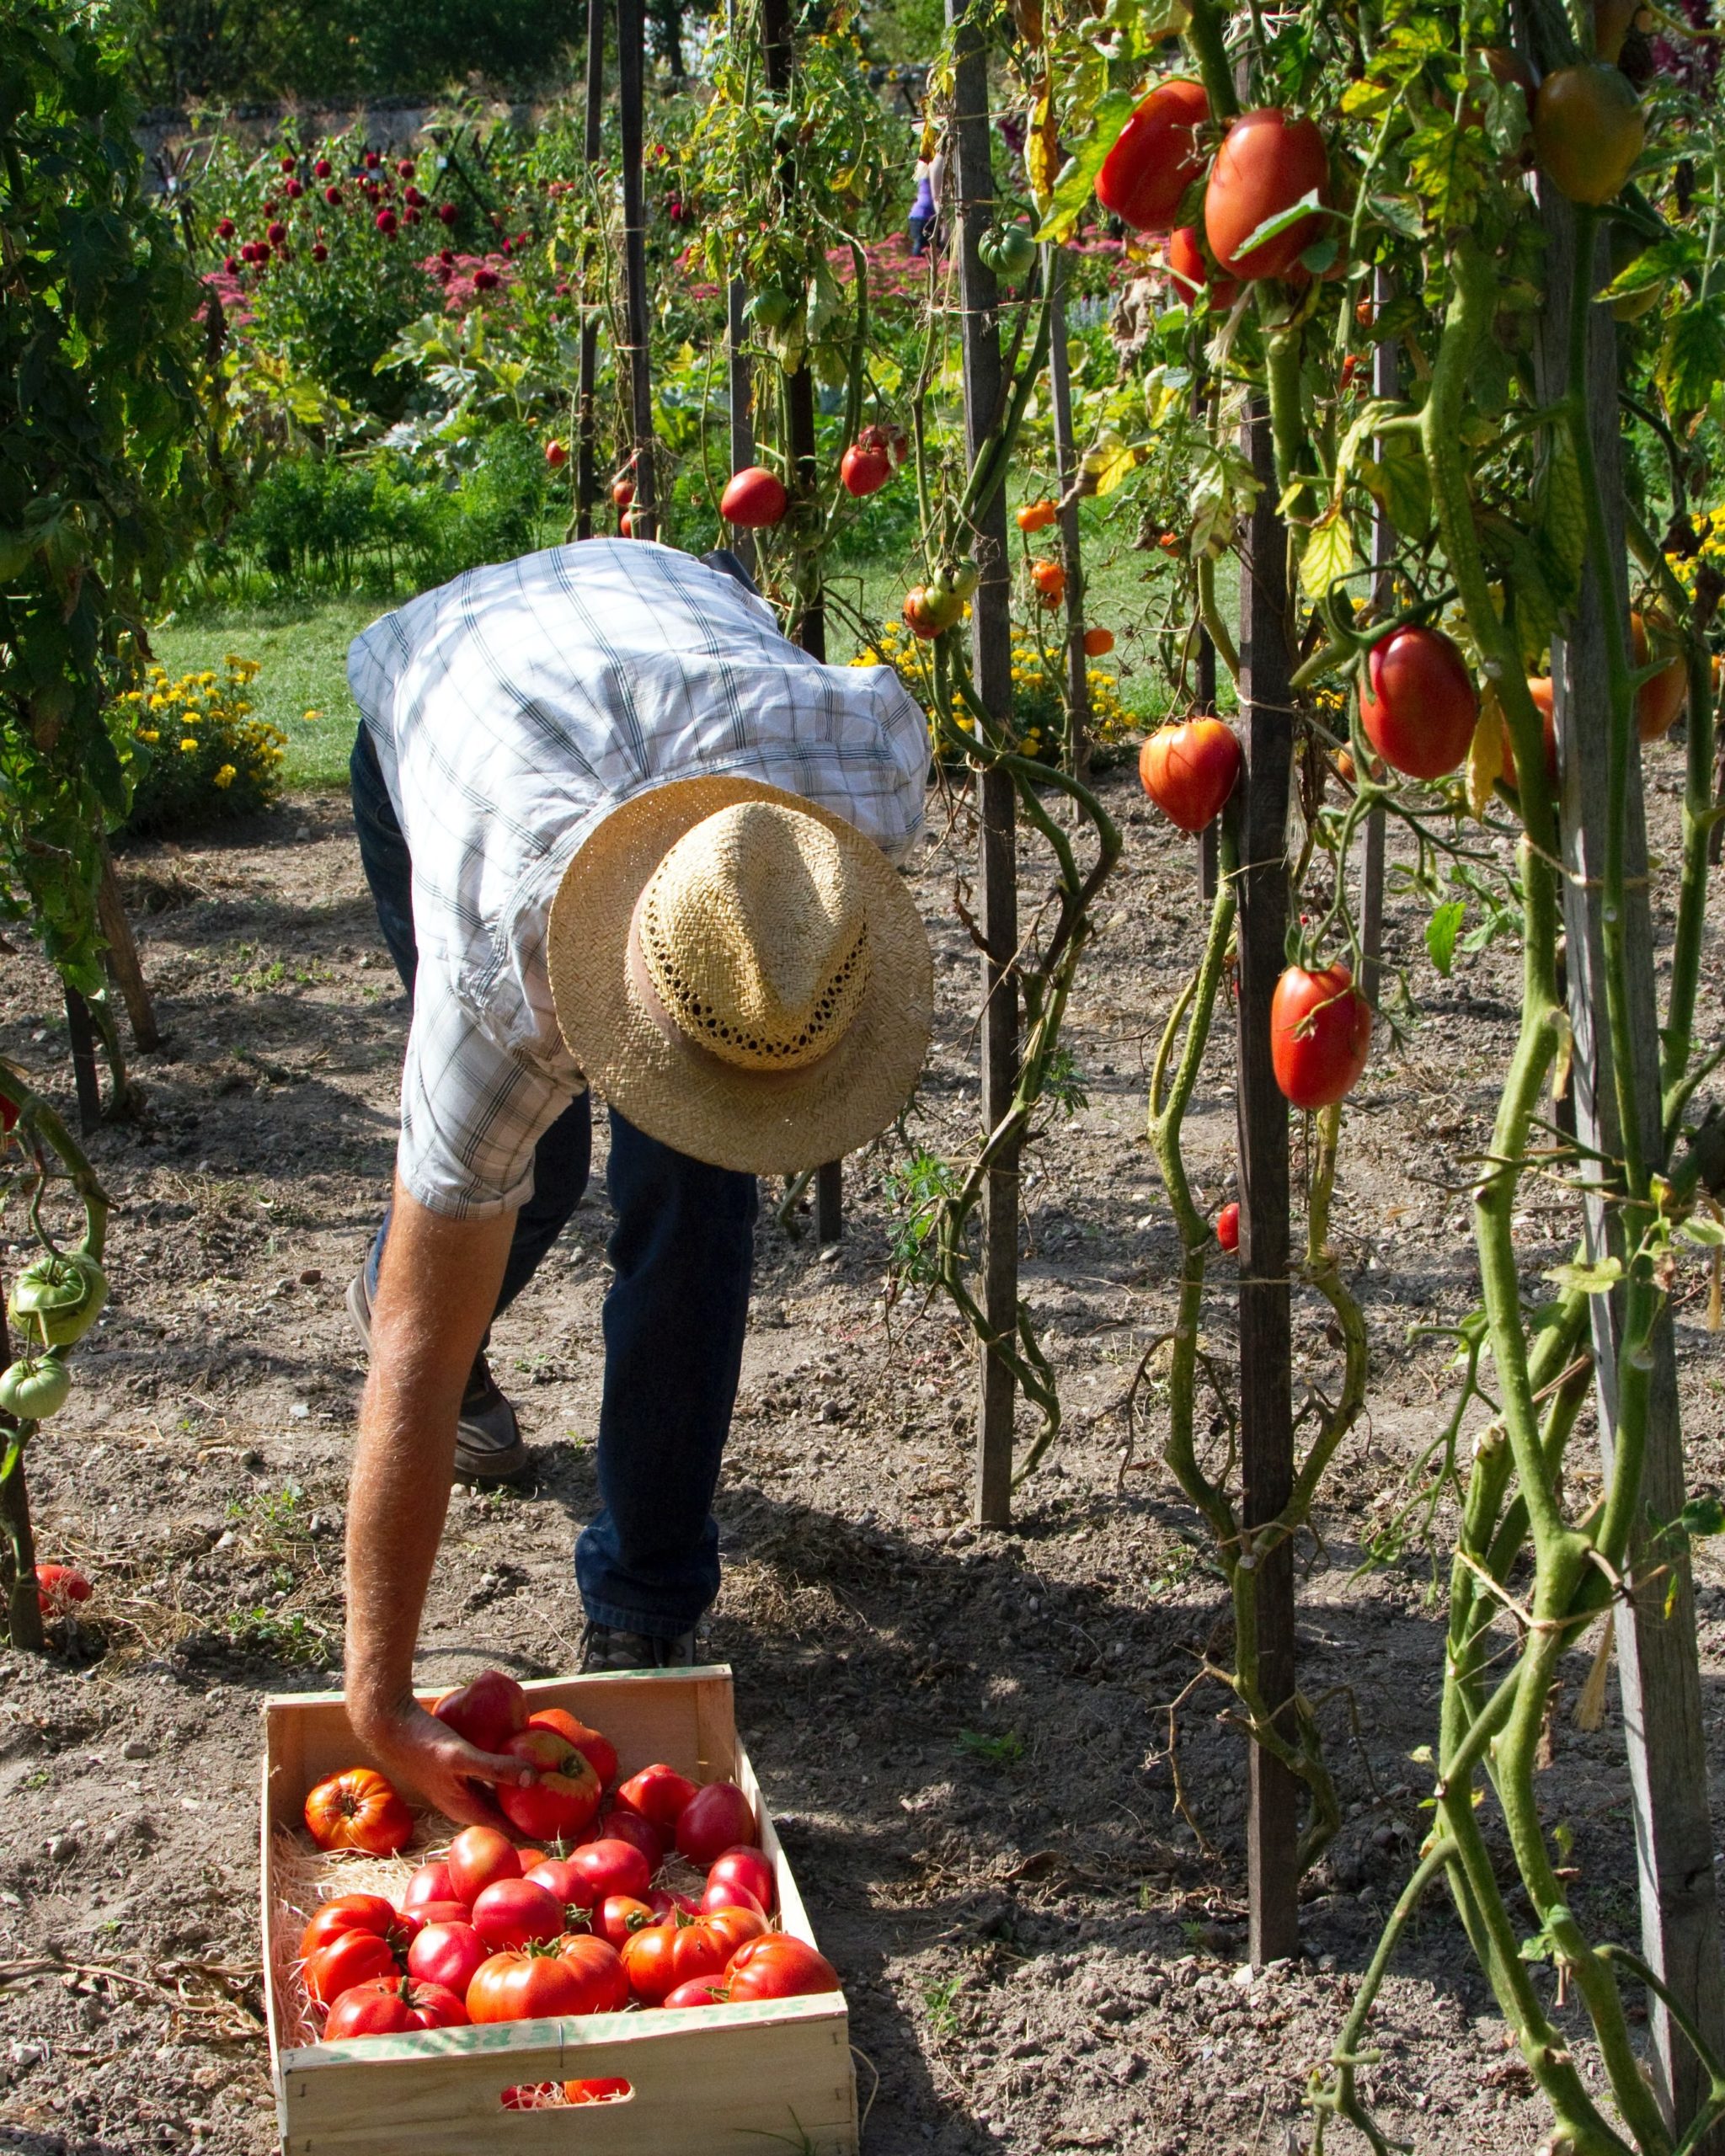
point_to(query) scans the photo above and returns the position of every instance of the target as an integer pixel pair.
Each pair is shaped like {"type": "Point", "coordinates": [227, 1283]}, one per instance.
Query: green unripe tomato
{"type": "Point", "coordinates": [35, 1388]}
{"type": "Point", "coordinates": [770, 308]}
{"type": "Point", "coordinates": [1010, 252]}
{"type": "Point", "coordinates": [56, 1300]}
{"type": "Point", "coordinates": [960, 578]}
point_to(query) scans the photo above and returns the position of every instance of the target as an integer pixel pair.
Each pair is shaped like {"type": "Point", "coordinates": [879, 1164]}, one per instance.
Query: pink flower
{"type": "Point", "coordinates": [412, 197]}
{"type": "Point", "coordinates": [410, 217]}
{"type": "Point", "coordinates": [385, 221]}
{"type": "Point", "coordinates": [232, 265]}
{"type": "Point", "coordinates": [248, 252]}
{"type": "Point", "coordinates": [508, 248]}
{"type": "Point", "coordinates": [260, 253]}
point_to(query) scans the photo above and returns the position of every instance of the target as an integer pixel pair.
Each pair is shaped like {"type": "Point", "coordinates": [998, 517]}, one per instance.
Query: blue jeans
{"type": "Point", "coordinates": [682, 1253]}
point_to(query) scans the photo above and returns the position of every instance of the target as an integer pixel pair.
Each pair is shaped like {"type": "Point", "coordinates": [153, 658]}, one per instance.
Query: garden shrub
{"type": "Point", "coordinates": [197, 752]}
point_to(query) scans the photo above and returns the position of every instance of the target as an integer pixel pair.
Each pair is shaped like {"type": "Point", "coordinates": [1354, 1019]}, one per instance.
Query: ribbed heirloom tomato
{"type": "Point", "coordinates": [1157, 157]}
{"type": "Point", "coordinates": [1266, 164]}
{"type": "Point", "coordinates": [359, 1913]}
{"type": "Point", "coordinates": [350, 1958]}
{"type": "Point", "coordinates": [566, 1795]}
{"type": "Point", "coordinates": [358, 1810]}
{"type": "Point", "coordinates": [779, 1966]}
{"type": "Point", "coordinates": [1320, 1035]}
{"type": "Point", "coordinates": [1189, 769]}
{"type": "Point", "coordinates": [393, 2007]}
{"type": "Point", "coordinates": [1418, 702]}
{"type": "Point", "coordinates": [542, 1981]}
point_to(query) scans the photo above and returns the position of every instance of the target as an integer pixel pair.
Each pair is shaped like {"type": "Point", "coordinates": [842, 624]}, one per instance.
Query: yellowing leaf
{"type": "Point", "coordinates": [1115, 464]}
{"type": "Point", "coordinates": [1485, 756]}
{"type": "Point", "coordinates": [1042, 152]}
{"type": "Point", "coordinates": [1329, 553]}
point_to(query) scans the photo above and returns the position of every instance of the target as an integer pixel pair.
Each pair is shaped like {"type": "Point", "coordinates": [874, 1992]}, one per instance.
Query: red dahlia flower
{"type": "Point", "coordinates": [224, 229]}
{"type": "Point", "coordinates": [333, 196]}
{"type": "Point", "coordinates": [320, 253]}
{"type": "Point", "coordinates": [385, 221]}
{"type": "Point", "coordinates": [406, 168]}
{"type": "Point", "coordinates": [276, 233]}
{"type": "Point", "coordinates": [372, 161]}
{"type": "Point", "coordinates": [322, 169]}
{"type": "Point", "coordinates": [293, 190]}
{"type": "Point", "coordinates": [448, 212]}
{"type": "Point", "coordinates": [486, 280]}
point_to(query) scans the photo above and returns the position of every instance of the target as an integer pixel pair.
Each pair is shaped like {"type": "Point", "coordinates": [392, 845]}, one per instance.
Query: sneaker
{"type": "Point", "coordinates": [488, 1439]}
{"type": "Point", "coordinates": [606, 1651]}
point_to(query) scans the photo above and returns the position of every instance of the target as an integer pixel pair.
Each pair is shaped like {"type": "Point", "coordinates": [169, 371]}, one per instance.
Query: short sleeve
{"type": "Point", "coordinates": [472, 1114]}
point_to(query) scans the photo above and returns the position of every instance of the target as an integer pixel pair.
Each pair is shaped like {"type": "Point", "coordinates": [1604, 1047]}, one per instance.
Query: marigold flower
{"type": "Point", "coordinates": [225, 778]}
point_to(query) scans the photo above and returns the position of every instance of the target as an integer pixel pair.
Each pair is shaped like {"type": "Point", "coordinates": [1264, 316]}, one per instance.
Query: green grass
{"type": "Point", "coordinates": [301, 645]}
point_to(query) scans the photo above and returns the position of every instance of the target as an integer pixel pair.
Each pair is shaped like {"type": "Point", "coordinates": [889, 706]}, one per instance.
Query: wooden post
{"type": "Point", "coordinates": [992, 652]}
{"type": "Point", "coordinates": [586, 416]}
{"type": "Point", "coordinates": [1266, 1405]}
{"type": "Point", "coordinates": [802, 473]}
{"type": "Point", "coordinates": [124, 967]}
{"type": "Point", "coordinates": [1658, 1668]}
{"type": "Point", "coordinates": [1385, 381]}
{"type": "Point", "coordinates": [1067, 458]}
{"type": "Point", "coordinates": [631, 65]}
{"type": "Point", "coordinates": [83, 1060]}
{"type": "Point", "coordinates": [23, 1614]}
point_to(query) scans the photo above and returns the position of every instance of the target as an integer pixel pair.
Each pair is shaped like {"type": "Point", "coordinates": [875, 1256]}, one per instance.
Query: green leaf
{"type": "Point", "coordinates": [1329, 553]}
{"type": "Point", "coordinates": [1599, 1278]}
{"type": "Point", "coordinates": [1440, 934]}
{"type": "Point", "coordinates": [1702, 1516]}
{"type": "Point", "coordinates": [1400, 481]}
{"type": "Point", "coordinates": [1397, 215]}
{"type": "Point", "coordinates": [1078, 176]}
{"type": "Point", "coordinates": [1693, 358]}
{"type": "Point", "coordinates": [1706, 1233]}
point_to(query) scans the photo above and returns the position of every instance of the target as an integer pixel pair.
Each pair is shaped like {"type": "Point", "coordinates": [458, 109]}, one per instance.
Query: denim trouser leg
{"type": "Point", "coordinates": [561, 1161]}
{"type": "Point", "coordinates": [682, 1253]}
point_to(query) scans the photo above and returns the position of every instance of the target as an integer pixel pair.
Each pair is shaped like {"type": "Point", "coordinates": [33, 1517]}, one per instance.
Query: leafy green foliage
{"type": "Point", "coordinates": [101, 485]}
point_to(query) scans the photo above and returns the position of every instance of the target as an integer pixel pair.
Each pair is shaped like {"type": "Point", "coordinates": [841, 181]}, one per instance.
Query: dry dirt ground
{"type": "Point", "coordinates": [963, 1736]}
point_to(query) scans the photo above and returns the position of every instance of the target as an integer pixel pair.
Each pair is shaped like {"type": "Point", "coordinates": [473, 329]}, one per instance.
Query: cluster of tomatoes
{"type": "Point", "coordinates": [754, 498]}
{"type": "Point", "coordinates": [491, 1932]}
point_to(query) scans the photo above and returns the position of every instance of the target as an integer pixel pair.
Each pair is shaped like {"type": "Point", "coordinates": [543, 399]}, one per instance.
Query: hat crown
{"type": "Point", "coordinates": [754, 934]}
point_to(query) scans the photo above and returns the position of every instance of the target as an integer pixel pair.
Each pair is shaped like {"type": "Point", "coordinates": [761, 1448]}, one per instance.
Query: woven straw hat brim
{"type": "Point", "coordinates": [677, 1092]}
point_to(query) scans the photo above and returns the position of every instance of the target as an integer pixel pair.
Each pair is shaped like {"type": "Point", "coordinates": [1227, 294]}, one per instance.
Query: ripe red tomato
{"type": "Point", "coordinates": [1098, 643]}
{"type": "Point", "coordinates": [556, 455]}
{"type": "Point", "coordinates": [720, 1896]}
{"type": "Point", "coordinates": [448, 1954]}
{"type": "Point", "coordinates": [431, 1882]}
{"type": "Point", "coordinates": [1659, 698]}
{"type": "Point", "coordinates": [350, 1958]}
{"type": "Point", "coordinates": [1037, 516]}
{"type": "Point", "coordinates": [1189, 769]}
{"type": "Point", "coordinates": [358, 1810]}
{"type": "Point", "coordinates": [357, 1912]}
{"type": "Point", "coordinates": [620, 1915]}
{"type": "Point", "coordinates": [614, 1826]}
{"type": "Point", "coordinates": [716, 1818]}
{"type": "Point", "coordinates": [516, 1912]}
{"type": "Point", "coordinates": [1588, 128]}
{"type": "Point", "coordinates": [597, 2092]}
{"type": "Point", "coordinates": [57, 1586]}
{"type": "Point", "coordinates": [1050, 579]}
{"type": "Point", "coordinates": [1418, 703]}
{"type": "Point", "coordinates": [735, 1926]}
{"type": "Point", "coordinates": [538, 1982]}
{"type": "Point", "coordinates": [750, 1870]}
{"type": "Point", "coordinates": [393, 2007]}
{"type": "Point", "coordinates": [604, 1868]}
{"type": "Point", "coordinates": [779, 1967]}
{"type": "Point", "coordinates": [599, 1752]}
{"type": "Point", "coordinates": [1320, 1035]}
{"type": "Point", "coordinates": [699, 1991]}
{"type": "Point", "coordinates": [488, 1711]}
{"type": "Point", "coordinates": [754, 498]}
{"type": "Point", "coordinates": [1157, 157]}
{"type": "Point", "coordinates": [599, 1968]}
{"type": "Point", "coordinates": [659, 1793]}
{"type": "Point", "coordinates": [566, 1795]}
{"type": "Point", "coordinates": [647, 1962]}
{"type": "Point", "coordinates": [1539, 688]}
{"type": "Point", "coordinates": [865, 469]}
{"type": "Point", "coordinates": [1267, 163]}
{"type": "Point", "coordinates": [477, 1856]}
{"type": "Point", "coordinates": [622, 492]}
{"type": "Point", "coordinates": [1228, 1227]}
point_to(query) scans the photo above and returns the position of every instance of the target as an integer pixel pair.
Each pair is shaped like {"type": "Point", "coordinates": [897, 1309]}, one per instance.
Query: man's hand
{"type": "Point", "coordinates": [435, 1298]}
{"type": "Point", "coordinates": [415, 1749]}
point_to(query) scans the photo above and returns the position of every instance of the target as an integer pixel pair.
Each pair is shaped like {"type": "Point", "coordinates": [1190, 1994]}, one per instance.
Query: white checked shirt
{"type": "Point", "coordinates": [510, 710]}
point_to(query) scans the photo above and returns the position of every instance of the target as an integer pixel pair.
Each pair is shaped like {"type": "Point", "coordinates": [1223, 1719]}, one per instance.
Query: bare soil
{"type": "Point", "coordinates": [966, 1736]}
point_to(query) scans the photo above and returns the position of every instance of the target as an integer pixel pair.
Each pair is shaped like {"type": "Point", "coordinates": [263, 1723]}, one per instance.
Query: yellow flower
{"type": "Point", "coordinates": [188, 747]}
{"type": "Point", "coordinates": [148, 734]}
{"type": "Point", "coordinates": [310, 715]}
{"type": "Point", "coordinates": [206, 680]}
{"type": "Point", "coordinates": [158, 703]}
{"type": "Point", "coordinates": [225, 778]}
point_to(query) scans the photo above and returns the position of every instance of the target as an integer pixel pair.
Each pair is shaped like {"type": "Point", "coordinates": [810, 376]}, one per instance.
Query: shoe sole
{"type": "Point", "coordinates": [491, 1466]}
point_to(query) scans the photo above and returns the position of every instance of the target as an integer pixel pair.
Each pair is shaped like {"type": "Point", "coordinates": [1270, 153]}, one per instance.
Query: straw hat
{"type": "Point", "coordinates": [742, 973]}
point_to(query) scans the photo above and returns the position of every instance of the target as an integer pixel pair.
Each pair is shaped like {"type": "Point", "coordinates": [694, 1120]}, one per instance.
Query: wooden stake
{"type": "Point", "coordinates": [1066, 457]}
{"type": "Point", "coordinates": [23, 1614]}
{"type": "Point", "coordinates": [991, 651]}
{"type": "Point", "coordinates": [123, 966]}
{"type": "Point", "coordinates": [1266, 1405]}
{"type": "Point", "coordinates": [631, 66]}
{"type": "Point", "coordinates": [586, 416]}
{"type": "Point", "coordinates": [1659, 1673]}
{"type": "Point", "coordinates": [83, 1061]}
{"type": "Point", "coordinates": [1385, 381]}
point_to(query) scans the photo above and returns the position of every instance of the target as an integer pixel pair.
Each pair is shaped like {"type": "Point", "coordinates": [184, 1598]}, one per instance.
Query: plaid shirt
{"type": "Point", "coordinates": [510, 710]}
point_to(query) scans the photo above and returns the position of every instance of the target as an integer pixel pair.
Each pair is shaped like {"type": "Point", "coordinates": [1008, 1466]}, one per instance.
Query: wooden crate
{"type": "Point", "coordinates": [712, 2080]}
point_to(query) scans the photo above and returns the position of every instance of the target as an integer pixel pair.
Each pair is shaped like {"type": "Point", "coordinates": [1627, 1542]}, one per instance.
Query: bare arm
{"type": "Point", "coordinates": [435, 1294]}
